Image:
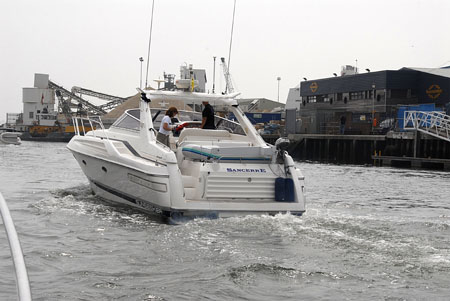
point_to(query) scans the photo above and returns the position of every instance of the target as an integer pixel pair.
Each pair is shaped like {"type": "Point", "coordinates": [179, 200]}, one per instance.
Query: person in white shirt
{"type": "Point", "coordinates": [166, 126]}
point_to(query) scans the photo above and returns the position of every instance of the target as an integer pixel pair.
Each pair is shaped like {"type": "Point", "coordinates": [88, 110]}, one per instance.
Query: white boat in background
{"type": "Point", "coordinates": [8, 137]}
{"type": "Point", "coordinates": [213, 173]}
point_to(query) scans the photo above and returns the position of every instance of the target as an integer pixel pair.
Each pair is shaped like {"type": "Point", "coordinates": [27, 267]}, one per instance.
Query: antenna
{"type": "Point", "coordinates": [149, 44]}
{"type": "Point", "coordinates": [231, 38]}
{"type": "Point", "coordinates": [214, 76]}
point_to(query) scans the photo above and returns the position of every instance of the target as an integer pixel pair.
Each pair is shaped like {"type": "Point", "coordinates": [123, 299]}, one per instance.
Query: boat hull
{"type": "Point", "coordinates": [150, 191]}
{"type": "Point", "coordinates": [10, 138]}
{"type": "Point", "coordinates": [112, 195]}
{"type": "Point", "coordinates": [50, 137]}
{"type": "Point", "coordinates": [126, 185]}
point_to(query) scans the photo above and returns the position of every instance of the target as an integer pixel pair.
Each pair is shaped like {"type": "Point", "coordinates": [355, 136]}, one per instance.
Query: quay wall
{"type": "Point", "coordinates": [410, 149]}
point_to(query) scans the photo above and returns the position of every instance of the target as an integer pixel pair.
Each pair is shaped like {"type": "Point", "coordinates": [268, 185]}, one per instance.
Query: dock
{"type": "Point", "coordinates": [401, 149]}
{"type": "Point", "coordinates": [411, 162]}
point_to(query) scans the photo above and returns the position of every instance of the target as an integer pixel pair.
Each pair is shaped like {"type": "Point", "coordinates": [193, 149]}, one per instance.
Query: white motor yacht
{"type": "Point", "coordinates": [214, 173]}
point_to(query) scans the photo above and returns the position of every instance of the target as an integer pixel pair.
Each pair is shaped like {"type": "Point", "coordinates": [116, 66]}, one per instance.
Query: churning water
{"type": "Point", "coordinates": [369, 233]}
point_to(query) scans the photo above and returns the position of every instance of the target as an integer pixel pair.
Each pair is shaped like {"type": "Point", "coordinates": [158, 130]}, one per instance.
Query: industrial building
{"type": "Point", "coordinates": [260, 105]}
{"type": "Point", "coordinates": [365, 99]}
{"type": "Point", "coordinates": [39, 103]}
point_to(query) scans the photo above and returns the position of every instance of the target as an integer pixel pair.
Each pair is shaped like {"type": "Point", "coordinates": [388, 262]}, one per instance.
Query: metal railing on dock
{"type": "Point", "coordinates": [433, 123]}
{"type": "Point", "coordinates": [23, 285]}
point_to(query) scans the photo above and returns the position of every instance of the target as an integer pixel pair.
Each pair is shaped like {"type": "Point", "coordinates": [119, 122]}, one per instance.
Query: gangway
{"type": "Point", "coordinates": [434, 123]}
{"type": "Point", "coordinates": [113, 101]}
{"type": "Point", "coordinates": [62, 92]}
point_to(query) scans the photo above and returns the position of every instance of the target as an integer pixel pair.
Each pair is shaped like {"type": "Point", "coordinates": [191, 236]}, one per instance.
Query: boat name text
{"type": "Point", "coordinates": [245, 170]}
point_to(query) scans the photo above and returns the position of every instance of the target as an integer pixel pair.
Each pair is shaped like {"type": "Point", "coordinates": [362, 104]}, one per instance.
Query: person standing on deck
{"type": "Point", "coordinates": [166, 126]}
{"type": "Point", "coordinates": [208, 117]}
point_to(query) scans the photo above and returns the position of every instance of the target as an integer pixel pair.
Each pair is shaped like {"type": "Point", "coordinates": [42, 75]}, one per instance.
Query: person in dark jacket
{"type": "Point", "coordinates": [342, 125]}
{"type": "Point", "coordinates": [447, 108]}
{"type": "Point", "coordinates": [208, 117]}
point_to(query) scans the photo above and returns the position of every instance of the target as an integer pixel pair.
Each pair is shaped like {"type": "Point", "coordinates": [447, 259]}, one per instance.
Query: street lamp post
{"type": "Point", "coordinates": [278, 79]}
{"type": "Point", "coordinates": [140, 82]}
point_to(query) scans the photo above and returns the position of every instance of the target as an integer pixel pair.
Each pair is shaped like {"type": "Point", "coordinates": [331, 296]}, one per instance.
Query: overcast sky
{"type": "Point", "coordinates": [96, 44]}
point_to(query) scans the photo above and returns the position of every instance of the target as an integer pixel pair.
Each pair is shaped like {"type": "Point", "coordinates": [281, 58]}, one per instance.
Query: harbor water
{"type": "Point", "coordinates": [369, 233]}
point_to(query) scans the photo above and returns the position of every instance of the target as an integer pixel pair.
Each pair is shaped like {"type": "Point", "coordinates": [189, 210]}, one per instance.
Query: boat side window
{"type": "Point", "coordinates": [135, 113]}
{"type": "Point", "coordinates": [128, 120]}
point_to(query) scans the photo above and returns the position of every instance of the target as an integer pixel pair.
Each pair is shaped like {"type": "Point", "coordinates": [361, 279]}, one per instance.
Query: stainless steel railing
{"type": "Point", "coordinates": [23, 286]}
{"type": "Point", "coordinates": [95, 122]}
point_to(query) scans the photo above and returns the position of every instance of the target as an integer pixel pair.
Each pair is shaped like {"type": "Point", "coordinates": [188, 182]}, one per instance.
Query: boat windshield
{"type": "Point", "coordinates": [130, 120]}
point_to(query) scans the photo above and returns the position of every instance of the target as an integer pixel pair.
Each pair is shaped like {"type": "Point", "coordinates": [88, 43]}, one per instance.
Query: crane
{"type": "Point", "coordinates": [226, 73]}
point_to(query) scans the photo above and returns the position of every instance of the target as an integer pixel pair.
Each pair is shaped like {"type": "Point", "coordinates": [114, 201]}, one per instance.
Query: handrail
{"type": "Point", "coordinates": [434, 123]}
{"type": "Point", "coordinates": [92, 123]}
{"type": "Point", "coordinates": [23, 286]}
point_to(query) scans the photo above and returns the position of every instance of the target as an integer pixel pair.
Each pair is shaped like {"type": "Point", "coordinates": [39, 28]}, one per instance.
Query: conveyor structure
{"type": "Point", "coordinates": [65, 98]}
{"type": "Point", "coordinates": [113, 101]}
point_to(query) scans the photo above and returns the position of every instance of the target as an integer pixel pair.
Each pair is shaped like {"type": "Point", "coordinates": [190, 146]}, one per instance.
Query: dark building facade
{"type": "Point", "coordinates": [366, 99]}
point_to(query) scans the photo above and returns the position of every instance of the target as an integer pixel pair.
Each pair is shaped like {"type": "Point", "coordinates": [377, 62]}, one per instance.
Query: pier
{"type": "Point", "coordinates": [398, 149]}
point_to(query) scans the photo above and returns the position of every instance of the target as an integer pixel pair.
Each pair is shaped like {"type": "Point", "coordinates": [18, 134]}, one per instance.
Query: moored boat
{"type": "Point", "coordinates": [10, 137]}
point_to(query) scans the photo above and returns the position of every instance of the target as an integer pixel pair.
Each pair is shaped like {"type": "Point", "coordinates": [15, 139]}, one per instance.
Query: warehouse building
{"type": "Point", "coordinates": [365, 99]}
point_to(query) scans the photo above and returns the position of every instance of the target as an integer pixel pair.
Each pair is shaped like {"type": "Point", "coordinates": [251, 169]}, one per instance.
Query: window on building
{"type": "Point", "coordinates": [311, 99]}
{"type": "Point", "coordinates": [357, 95]}
{"type": "Point", "coordinates": [321, 98]}
{"type": "Point", "coordinates": [31, 115]}
{"type": "Point", "coordinates": [368, 94]}
{"type": "Point", "coordinates": [339, 96]}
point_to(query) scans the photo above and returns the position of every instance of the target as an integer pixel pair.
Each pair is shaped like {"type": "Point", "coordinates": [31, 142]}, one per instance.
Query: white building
{"type": "Point", "coordinates": [293, 100]}
{"type": "Point", "coordinates": [39, 103]}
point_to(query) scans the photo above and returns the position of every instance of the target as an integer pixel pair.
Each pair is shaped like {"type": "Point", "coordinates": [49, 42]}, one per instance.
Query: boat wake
{"type": "Point", "coordinates": [79, 200]}
{"type": "Point", "coordinates": [247, 274]}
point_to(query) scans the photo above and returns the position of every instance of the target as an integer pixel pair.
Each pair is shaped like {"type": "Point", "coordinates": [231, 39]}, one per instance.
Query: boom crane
{"type": "Point", "coordinates": [226, 73]}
